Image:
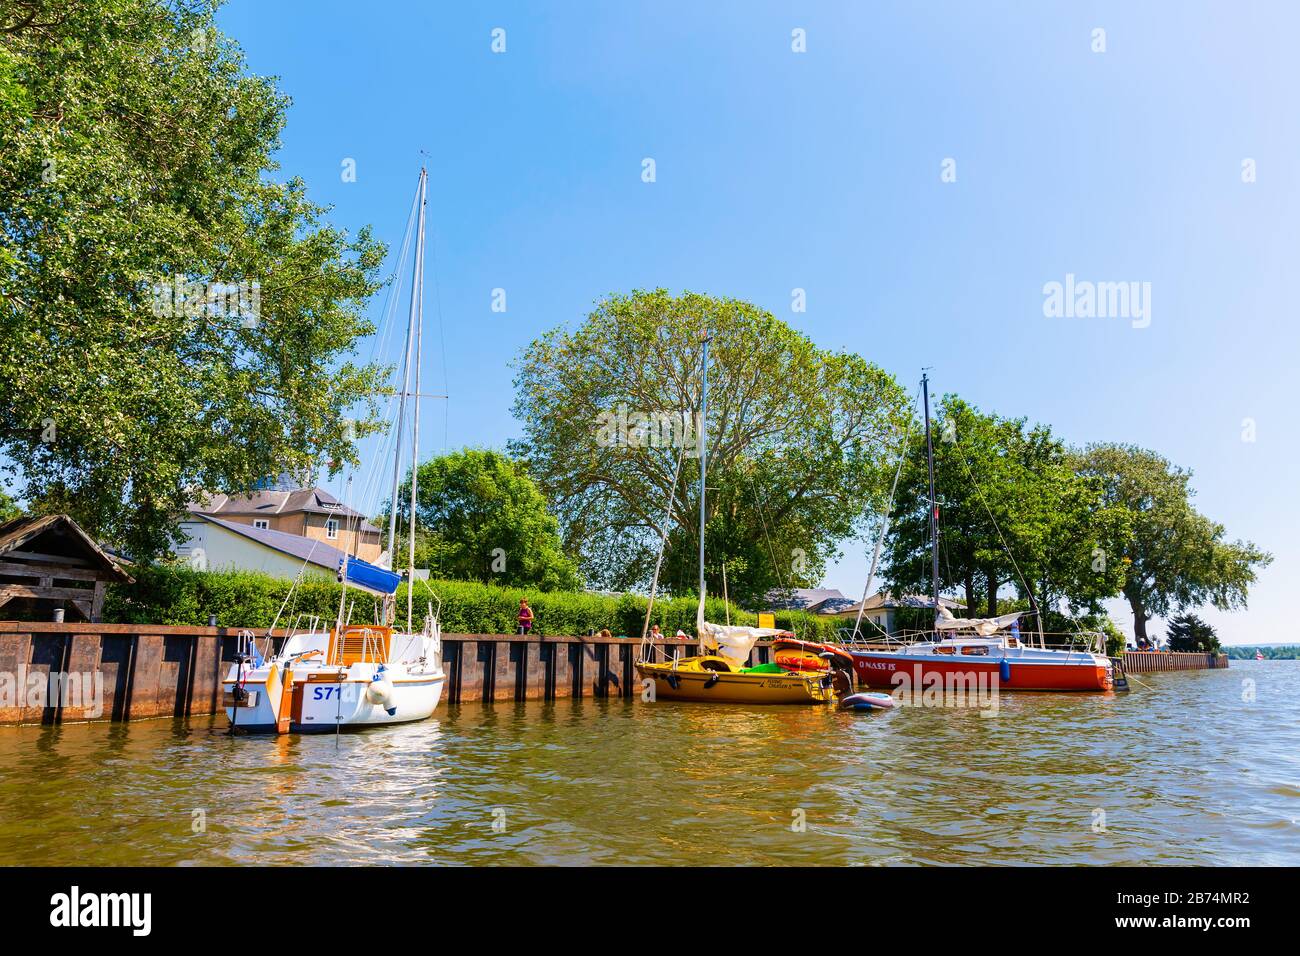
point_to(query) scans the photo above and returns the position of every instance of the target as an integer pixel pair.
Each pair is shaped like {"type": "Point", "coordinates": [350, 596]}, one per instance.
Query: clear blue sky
{"type": "Point", "coordinates": [821, 170]}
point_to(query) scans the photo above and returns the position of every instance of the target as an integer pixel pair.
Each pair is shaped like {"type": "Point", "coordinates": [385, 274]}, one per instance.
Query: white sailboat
{"type": "Point", "coordinates": [352, 675]}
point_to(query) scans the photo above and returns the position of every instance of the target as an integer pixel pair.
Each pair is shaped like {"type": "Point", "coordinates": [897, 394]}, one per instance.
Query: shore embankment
{"type": "Point", "coordinates": [134, 671]}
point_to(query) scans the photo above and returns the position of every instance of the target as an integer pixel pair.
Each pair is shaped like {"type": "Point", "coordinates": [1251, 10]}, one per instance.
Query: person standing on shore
{"type": "Point", "coordinates": [525, 617]}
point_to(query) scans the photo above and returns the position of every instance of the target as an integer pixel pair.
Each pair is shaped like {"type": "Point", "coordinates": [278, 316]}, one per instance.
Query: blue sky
{"type": "Point", "coordinates": [821, 170]}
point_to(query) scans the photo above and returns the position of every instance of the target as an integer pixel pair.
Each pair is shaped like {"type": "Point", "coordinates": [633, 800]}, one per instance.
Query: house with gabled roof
{"type": "Point", "coordinates": [310, 513]}
{"type": "Point", "coordinates": [879, 612]}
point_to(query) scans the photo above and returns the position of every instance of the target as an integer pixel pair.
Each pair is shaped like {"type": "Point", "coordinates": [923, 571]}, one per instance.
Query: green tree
{"type": "Point", "coordinates": [1012, 513]}
{"type": "Point", "coordinates": [170, 317]}
{"type": "Point", "coordinates": [1176, 557]}
{"type": "Point", "coordinates": [798, 440]}
{"type": "Point", "coordinates": [479, 517]}
{"type": "Point", "coordinates": [8, 507]}
{"type": "Point", "coordinates": [1187, 632]}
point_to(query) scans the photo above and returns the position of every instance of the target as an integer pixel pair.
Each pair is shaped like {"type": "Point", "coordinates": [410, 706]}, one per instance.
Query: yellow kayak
{"type": "Point", "coordinates": [710, 678]}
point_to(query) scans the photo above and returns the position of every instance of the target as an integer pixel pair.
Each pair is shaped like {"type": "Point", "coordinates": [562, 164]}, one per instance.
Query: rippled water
{"type": "Point", "coordinates": [1183, 769]}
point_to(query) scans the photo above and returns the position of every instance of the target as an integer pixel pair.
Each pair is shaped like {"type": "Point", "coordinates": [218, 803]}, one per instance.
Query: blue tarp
{"type": "Point", "coordinates": [366, 575]}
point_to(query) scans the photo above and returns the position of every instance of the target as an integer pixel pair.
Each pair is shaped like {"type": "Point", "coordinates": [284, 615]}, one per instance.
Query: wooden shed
{"type": "Point", "coordinates": [48, 563]}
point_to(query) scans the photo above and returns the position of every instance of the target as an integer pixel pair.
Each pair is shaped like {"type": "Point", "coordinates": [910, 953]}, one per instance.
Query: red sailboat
{"type": "Point", "coordinates": [970, 652]}
{"type": "Point", "coordinates": [1001, 660]}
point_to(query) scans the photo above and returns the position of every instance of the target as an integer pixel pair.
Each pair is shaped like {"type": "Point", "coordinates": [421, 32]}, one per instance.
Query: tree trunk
{"type": "Point", "coordinates": [993, 592]}
{"type": "Point", "coordinates": [970, 594]}
{"type": "Point", "coordinates": [1139, 618]}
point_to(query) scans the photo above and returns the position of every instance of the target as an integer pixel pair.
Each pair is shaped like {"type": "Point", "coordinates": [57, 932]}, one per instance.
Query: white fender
{"type": "Point", "coordinates": [380, 692]}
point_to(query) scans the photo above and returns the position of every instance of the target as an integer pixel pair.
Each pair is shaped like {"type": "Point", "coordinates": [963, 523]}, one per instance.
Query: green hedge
{"type": "Point", "coordinates": [176, 594]}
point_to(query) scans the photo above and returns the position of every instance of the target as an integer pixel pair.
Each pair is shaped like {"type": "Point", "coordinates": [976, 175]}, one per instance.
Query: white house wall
{"type": "Point", "coordinates": [210, 547]}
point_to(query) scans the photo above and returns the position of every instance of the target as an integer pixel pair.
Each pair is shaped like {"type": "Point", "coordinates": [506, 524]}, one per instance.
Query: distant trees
{"type": "Point", "coordinates": [1270, 652]}
{"type": "Point", "coordinates": [800, 442]}
{"type": "Point", "coordinates": [1175, 557]}
{"type": "Point", "coordinates": [480, 517]}
{"type": "Point", "coordinates": [1187, 632]}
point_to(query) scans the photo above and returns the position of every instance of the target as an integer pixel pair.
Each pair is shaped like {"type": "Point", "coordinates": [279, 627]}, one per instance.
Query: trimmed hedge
{"type": "Point", "coordinates": [177, 594]}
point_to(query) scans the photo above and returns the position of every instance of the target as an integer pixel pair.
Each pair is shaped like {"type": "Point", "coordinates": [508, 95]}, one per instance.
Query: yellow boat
{"type": "Point", "coordinates": [714, 679]}
{"type": "Point", "coordinates": [722, 677]}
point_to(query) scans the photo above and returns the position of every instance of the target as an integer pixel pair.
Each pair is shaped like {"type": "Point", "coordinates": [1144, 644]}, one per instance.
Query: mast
{"type": "Point", "coordinates": [934, 505]}
{"type": "Point", "coordinates": [417, 299]}
{"type": "Point", "coordinates": [343, 568]}
{"type": "Point", "coordinates": [406, 387]}
{"type": "Point", "coordinates": [704, 458]}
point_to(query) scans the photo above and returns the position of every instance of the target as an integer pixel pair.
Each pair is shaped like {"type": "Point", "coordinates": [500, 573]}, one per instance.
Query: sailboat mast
{"type": "Point", "coordinates": [401, 405]}
{"type": "Point", "coordinates": [704, 454]}
{"type": "Point", "coordinates": [934, 505]}
{"type": "Point", "coordinates": [343, 567]}
{"type": "Point", "coordinates": [417, 297]}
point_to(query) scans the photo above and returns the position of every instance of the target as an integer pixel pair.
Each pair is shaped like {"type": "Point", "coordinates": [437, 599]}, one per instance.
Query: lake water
{"type": "Point", "coordinates": [1199, 767]}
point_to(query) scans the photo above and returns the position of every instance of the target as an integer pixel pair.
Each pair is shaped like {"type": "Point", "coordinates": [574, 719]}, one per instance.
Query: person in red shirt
{"type": "Point", "coordinates": [525, 617]}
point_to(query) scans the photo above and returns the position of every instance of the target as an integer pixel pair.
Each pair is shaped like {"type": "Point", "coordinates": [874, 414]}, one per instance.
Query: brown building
{"type": "Point", "coordinates": [309, 512]}
{"type": "Point", "coordinates": [48, 563]}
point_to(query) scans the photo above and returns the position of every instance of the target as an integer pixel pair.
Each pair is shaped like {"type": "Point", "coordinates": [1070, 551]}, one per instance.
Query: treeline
{"type": "Point", "coordinates": [1284, 652]}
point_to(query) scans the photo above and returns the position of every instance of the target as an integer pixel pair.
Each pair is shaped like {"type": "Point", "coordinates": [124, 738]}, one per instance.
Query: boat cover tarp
{"type": "Point", "coordinates": [983, 626]}
{"type": "Point", "coordinates": [365, 575]}
{"type": "Point", "coordinates": [764, 669]}
{"type": "Point", "coordinates": [730, 641]}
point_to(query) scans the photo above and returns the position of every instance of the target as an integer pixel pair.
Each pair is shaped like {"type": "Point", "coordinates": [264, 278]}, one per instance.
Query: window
{"type": "Point", "coordinates": [261, 523]}
{"type": "Point", "coordinates": [331, 528]}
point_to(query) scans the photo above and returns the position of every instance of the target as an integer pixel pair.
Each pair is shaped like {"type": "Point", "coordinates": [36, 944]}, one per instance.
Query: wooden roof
{"type": "Point", "coordinates": [55, 540]}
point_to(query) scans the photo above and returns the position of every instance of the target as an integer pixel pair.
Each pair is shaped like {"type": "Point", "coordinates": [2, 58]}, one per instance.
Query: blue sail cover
{"type": "Point", "coordinates": [372, 578]}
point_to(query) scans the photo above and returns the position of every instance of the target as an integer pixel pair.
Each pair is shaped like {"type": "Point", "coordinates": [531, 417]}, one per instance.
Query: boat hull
{"type": "Point", "coordinates": [327, 706]}
{"type": "Point", "coordinates": [705, 686]}
{"type": "Point", "coordinates": [888, 670]}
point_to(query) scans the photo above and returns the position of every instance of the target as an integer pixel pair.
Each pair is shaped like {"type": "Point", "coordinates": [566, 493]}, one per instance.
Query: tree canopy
{"type": "Point", "coordinates": [479, 517]}
{"type": "Point", "coordinates": [798, 442]}
{"type": "Point", "coordinates": [1189, 633]}
{"type": "Point", "coordinates": [170, 317]}
{"type": "Point", "coordinates": [1176, 557]}
{"type": "Point", "coordinates": [1013, 512]}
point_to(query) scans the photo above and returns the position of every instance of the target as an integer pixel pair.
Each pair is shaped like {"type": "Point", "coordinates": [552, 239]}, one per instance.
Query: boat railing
{"type": "Point", "coordinates": [433, 628]}
{"type": "Point", "coordinates": [1089, 642]}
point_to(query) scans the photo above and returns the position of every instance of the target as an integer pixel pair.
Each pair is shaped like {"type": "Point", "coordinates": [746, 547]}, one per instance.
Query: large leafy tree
{"type": "Point", "coordinates": [479, 517]}
{"type": "Point", "coordinates": [1013, 514]}
{"type": "Point", "coordinates": [170, 317]}
{"type": "Point", "coordinates": [797, 441]}
{"type": "Point", "coordinates": [1177, 557]}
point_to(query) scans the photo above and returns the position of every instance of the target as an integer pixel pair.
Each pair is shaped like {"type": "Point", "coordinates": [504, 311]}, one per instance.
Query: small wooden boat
{"type": "Point", "coordinates": [719, 673]}
{"type": "Point", "coordinates": [713, 679]}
